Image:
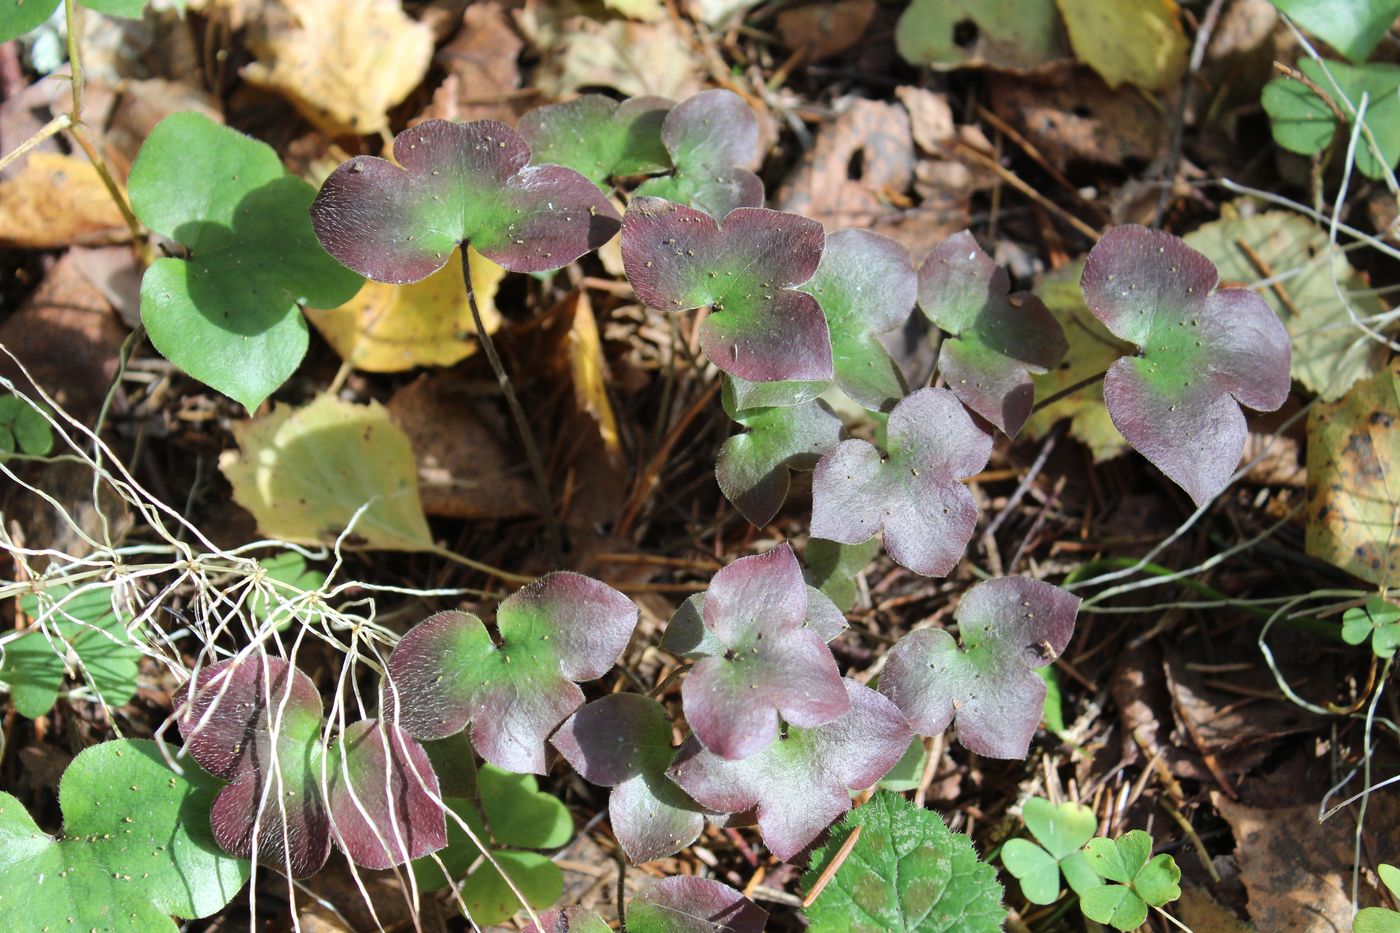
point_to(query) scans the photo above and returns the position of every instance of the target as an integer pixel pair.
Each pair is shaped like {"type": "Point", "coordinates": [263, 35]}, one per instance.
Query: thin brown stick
{"type": "Point", "coordinates": [1014, 180]}
{"type": "Point", "coordinates": [1067, 391]}
{"type": "Point", "coordinates": [1264, 271]}
{"type": "Point", "coordinates": [641, 489]}
{"type": "Point", "coordinates": [833, 867]}
{"type": "Point", "coordinates": [1030, 149]}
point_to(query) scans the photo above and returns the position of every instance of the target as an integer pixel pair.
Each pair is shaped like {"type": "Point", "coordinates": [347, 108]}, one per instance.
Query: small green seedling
{"type": "Point", "coordinates": [1137, 880]}
{"type": "Point", "coordinates": [1381, 919]}
{"type": "Point", "coordinates": [1060, 833]}
{"type": "Point", "coordinates": [23, 428]}
{"type": "Point", "coordinates": [1379, 621]}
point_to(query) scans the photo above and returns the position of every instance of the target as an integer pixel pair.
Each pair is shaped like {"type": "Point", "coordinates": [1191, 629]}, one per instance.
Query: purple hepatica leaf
{"type": "Point", "coordinates": [384, 775]}
{"type": "Point", "coordinates": [867, 286]}
{"type": "Point", "coordinates": [802, 782]}
{"type": "Point", "coordinates": [1009, 626]}
{"type": "Point", "coordinates": [1203, 353]}
{"type": "Point", "coordinates": [914, 493]}
{"type": "Point", "coordinates": [996, 339]}
{"type": "Point", "coordinates": [598, 137]}
{"type": "Point", "coordinates": [623, 741]}
{"type": "Point", "coordinates": [458, 183]}
{"type": "Point", "coordinates": [763, 660]}
{"type": "Point", "coordinates": [446, 672]}
{"type": "Point", "coordinates": [687, 636]}
{"type": "Point", "coordinates": [713, 141]}
{"type": "Point", "coordinates": [760, 329]}
{"type": "Point", "coordinates": [684, 904]}
{"type": "Point", "coordinates": [273, 801]}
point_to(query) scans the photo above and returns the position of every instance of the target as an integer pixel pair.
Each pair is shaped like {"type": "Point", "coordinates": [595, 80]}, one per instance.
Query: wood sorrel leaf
{"type": "Point", "coordinates": [684, 904]}
{"type": "Point", "coordinates": [1203, 353]}
{"type": "Point", "coordinates": [447, 673]}
{"type": "Point", "coordinates": [458, 183]}
{"type": "Point", "coordinates": [1378, 621]}
{"type": "Point", "coordinates": [1061, 832]}
{"type": "Point", "coordinates": [1302, 122]}
{"type": "Point", "coordinates": [866, 286]}
{"type": "Point", "coordinates": [802, 782]}
{"type": "Point", "coordinates": [713, 141]}
{"type": "Point", "coordinates": [129, 865]}
{"type": "Point", "coordinates": [1009, 626]}
{"type": "Point", "coordinates": [760, 659]}
{"type": "Point", "coordinates": [996, 339]}
{"type": "Point", "coordinates": [754, 468]}
{"type": "Point", "coordinates": [623, 741]}
{"type": "Point", "coordinates": [84, 623]}
{"type": "Point", "coordinates": [228, 314]}
{"type": "Point", "coordinates": [914, 493]}
{"type": "Point", "coordinates": [598, 137]}
{"type": "Point", "coordinates": [745, 269]}
{"type": "Point", "coordinates": [907, 871]}
{"type": "Point", "coordinates": [1141, 882]}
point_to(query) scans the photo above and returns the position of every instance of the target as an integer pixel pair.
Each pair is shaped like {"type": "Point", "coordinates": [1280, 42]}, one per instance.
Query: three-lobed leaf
{"type": "Point", "coordinates": [754, 469]}
{"type": "Point", "coordinates": [1008, 627]}
{"type": "Point", "coordinates": [1141, 881]}
{"type": "Point", "coordinates": [598, 137]}
{"type": "Point", "coordinates": [1303, 123]}
{"type": "Point", "coordinates": [712, 139]}
{"type": "Point", "coordinates": [23, 428]}
{"type": "Point", "coordinates": [1204, 352]}
{"type": "Point", "coordinates": [1378, 621]}
{"type": "Point", "coordinates": [1060, 832]}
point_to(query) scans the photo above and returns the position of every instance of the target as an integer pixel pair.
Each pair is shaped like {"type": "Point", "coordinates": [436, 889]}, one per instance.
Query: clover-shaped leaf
{"type": "Point", "coordinates": [907, 871]}
{"type": "Point", "coordinates": [82, 624]}
{"type": "Point", "coordinates": [866, 286]}
{"type": "Point", "coordinates": [913, 493]}
{"type": "Point", "coordinates": [1060, 832]}
{"type": "Point", "coordinates": [1378, 620]}
{"type": "Point", "coordinates": [623, 741]}
{"type": "Point", "coordinates": [1140, 883]}
{"type": "Point", "coordinates": [447, 673]}
{"type": "Point", "coordinates": [1302, 122]}
{"type": "Point", "coordinates": [684, 904]}
{"type": "Point", "coordinates": [745, 269]}
{"type": "Point", "coordinates": [23, 428]}
{"type": "Point", "coordinates": [801, 782]}
{"type": "Point", "coordinates": [754, 468]}
{"type": "Point", "coordinates": [996, 339]}
{"type": "Point", "coordinates": [455, 183]}
{"type": "Point", "coordinates": [712, 137]}
{"type": "Point", "coordinates": [1203, 353]}
{"type": "Point", "coordinates": [598, 137]}
{"type": "Point", "coordinates": [518, 817]}
{"type": "Point", "coordinates": [256, 722]}
{"type": "Point", "coordinates": [1009, 626]}
{"type": "Point", "coordinates": [759, 660]}
{"type": "Point", "coordinates": [228, 314]}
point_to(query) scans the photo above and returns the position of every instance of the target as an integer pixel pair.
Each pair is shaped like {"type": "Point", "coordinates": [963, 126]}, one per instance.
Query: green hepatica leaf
{"type": "Point", "coordinates": [693, 905]}
{"type": "Point", "coordinates": [832, 567]}
{"type": "Point", "coordinates": [18, 17]}
{"type": "Point", "coordinates": [228, 314]}
{"type": "Point", "coordinates": [1303, 123]}
{"type": "Point", "coordinates": [447, 673]}
{"type": "Point", "coordinates": [996, 339]}
{"type": "Point", "coordinates": [458, 183]}
{"type": "Point", "coordinates": [1140, 882]}
{"type": "Point", "coordinates": [914, 493]}
{"type": "Point", "coordinates": [908, 872]}
{"type": "Point", "coordinates": [1379, 621]}
{"type": "Point", "coordinates": [1009, 626]}
{"type": "Point", "coordinates": [800, 783]}
{"type": "Point", "coordinates": [1330, 353]}
{"type": "Point", "coordinates": [83, 623]}
{"type": "Point", "coordinates": [256, 722]}
{"type": "Point", "coordinates": [623, 741]}
{"type": "Point", "coordinates": [1352, 27]}
{"type": "Point", "coordinates": [127, 866]}
{"type": "Point", "coordinates": [759, 329]}
{"type": "Point", "coordinates": [598, 137]}
{"type": "Point", "coordinates": [1203, 353]}
{"type": "Point", "coordinates": [713, 141]}
{"type": "Point", "coordinates": [1062, 832]}
{"type": "Point", "coordinates": [760, 660]}
{"type": "Point", "coordinates": [866, 285]}
{"type": "Point", "coordinates": [1379, 919]}
{"type": "Point", "coordinates": [754, 468]}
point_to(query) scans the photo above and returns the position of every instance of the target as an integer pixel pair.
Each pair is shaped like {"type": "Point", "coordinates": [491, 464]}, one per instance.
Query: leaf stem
{"type": "Point", "coordinates": [1067, 391]}
{"type": "Point", "coordinates": [522, 424]}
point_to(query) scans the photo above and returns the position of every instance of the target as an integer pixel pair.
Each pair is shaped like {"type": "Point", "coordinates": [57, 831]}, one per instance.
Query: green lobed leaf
{"type": "Point", "coordinates": [598, 137]}
{"type": "Point", "coordinates": [908, 772]}
{"type": "Point", "coordinates": [908, 872]}
{"type": "Point", "coordinates": [1352, 27]}
{"type": "Point", "coordinates": [228, 314]}
{"type": "Point", "coordinates": [832, 567]}
{"type": "Point", "coordinates": [1142, 881]}
{"type": "Point", "coordinates": [1303, 123]}
{"type": "Point", "coordinates": [1376, 920]}
{"type": "Point", "coordinates": [1379, 621]}
{"type": "Point", "coordinates": [1061, 832]}
{"type": "Point", "coordinates": [712, 138]}
{"type": "Point", "coordinates": [28, 428]}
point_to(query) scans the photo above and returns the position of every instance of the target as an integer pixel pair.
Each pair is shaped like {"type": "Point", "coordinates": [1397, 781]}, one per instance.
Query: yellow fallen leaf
{"type": "Point", "coordinates": [590, 372]}
{"type": "Point", "coordinates": [57, 200]}
{"type": "Point", "coordinates": [1134, 41]}
{"type": "Point", "coordinates": [303, 473]}
{"type": "Point", "coordinates": [344, 63]}
{"type": "Point", "coordinates": [648, 11]}
{"type": "Point", "coordinates": [392, 328]}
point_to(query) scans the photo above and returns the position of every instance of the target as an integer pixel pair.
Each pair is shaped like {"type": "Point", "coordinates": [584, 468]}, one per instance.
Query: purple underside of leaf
{"type": "Point", "coordinates": [381, 797]}
{"type": "Point", "coordinates": [759, 329]}
{"type": "Point", "coordinates": [799, 784]}
{"type": "Point", "coordinates": [1009, 626]}
{"type": "Point", "coordinates": [914, 494]}
{"type": "Point", "coordinates": [1203, 353]}
{"type": "Point", "coordinates": [713, 905]}
{"type": "Point", "coordinates": [454, 183]}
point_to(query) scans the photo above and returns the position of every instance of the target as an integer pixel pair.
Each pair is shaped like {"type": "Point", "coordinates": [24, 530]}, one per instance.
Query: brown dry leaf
{"type": "Point", "coordinates": [930, 117]}
{"type": "Point", "coordinates": [143, 104]}
{"type": "Point", "coordinates": [483, 70]}
{"type": "Point", "coordinates": [393, 328]}
{"type": "Point", "coordinates": [57, 200]}
{"type": "Point", "coordinates": [464, 470]}
{"type": "Point", "coordinates": [1076, 116]}
{"type": "Point", "coordinates": [825, 29]}
{"type": "Point", "coordinates": [1200, 911]}
{"type": "Point", "coordinates": [344, 63]}
{"type": "Point", "coordinates": [590, 372]}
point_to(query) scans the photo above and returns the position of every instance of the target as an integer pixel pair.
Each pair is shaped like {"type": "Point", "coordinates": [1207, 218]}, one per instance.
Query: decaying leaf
{"type": "Point", "coordinates": [1011, 35]}
{"type": "Point", "coordinates": [590, 372]}
{"type": "Point", "coordinates": [57, 200]}
{"type": "Point", "coordinates": [582, 50]}
{"type": "Point", "coordinates": [1135, 41]}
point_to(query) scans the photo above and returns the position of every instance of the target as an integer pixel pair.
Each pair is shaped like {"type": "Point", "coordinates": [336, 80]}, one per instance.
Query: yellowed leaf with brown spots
{"type": "Point", "coordinates": [57, 200]}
